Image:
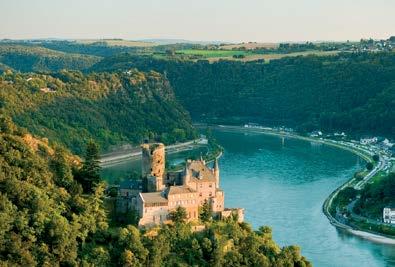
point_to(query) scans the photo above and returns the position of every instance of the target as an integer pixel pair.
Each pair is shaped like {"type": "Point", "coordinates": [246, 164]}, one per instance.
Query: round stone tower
{"type": "Point", "coordinates": [153, 165]}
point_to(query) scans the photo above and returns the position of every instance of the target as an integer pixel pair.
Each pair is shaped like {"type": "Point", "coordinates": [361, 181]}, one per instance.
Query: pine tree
{"type": "Point", "coordinates": [205, 212]}
{"type": "Point", "coordinates": [179, 215]}
{"type": "Point", "coordinates": [89, 175]}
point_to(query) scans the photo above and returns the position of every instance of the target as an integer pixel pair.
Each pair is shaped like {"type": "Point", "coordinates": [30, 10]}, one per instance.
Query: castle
{"type": "Point", "coordinates": [160, 192]}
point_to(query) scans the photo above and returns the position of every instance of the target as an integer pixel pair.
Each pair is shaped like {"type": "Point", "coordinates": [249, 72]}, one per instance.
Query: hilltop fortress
{"type": "Point", "coordinates": [160, 192]}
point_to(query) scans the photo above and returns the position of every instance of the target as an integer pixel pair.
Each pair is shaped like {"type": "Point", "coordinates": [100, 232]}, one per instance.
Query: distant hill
{"type": "Point", "coordinates": [116, 42]}
{"type": "Point", "coordinates": [160, 41]}
{"type": "Point", "coordinates": [33, 58]}
{"type": "Point", "coordinates": [352, 92]}
{"type": "Point", "coordinates": [111, 108]}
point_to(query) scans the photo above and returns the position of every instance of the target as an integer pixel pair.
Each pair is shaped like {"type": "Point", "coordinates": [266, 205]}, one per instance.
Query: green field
{"type": "Point", "coordinates": [214, 53]}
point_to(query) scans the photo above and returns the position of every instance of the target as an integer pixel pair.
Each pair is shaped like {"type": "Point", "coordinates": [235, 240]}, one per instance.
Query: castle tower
{"type": "Point", "coordinates": [216, 172]}
{"type": "Point", "coordinates": [187, 174]}
{"type": "Point", "coordinates": [153, 165]}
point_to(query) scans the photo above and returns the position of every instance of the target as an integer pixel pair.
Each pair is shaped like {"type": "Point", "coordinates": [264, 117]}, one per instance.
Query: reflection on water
{"type": "Point", "coordinates": [283, 185]}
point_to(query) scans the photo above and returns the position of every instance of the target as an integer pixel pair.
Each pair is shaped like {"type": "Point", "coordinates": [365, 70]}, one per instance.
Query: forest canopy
{"type": "Point", "coordinates": [40, 59]}
{"type": "Point", "coordinates": [352, 92]}
{"type": "Point", "coordinates": [117, 108]}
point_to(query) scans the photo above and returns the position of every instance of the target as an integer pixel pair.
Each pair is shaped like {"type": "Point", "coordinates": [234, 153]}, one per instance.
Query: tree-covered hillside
{"type": "Point", "coordinates": [350, 92]}
{"type": "Point", "coordinates": [44, 218]}
{"type": "Point", "coordinates": [111, 108]}
{"type": "Point", "coordinates": [39, 59]}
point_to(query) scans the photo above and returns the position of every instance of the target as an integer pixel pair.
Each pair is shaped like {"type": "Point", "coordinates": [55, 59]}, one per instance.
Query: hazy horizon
{"type": "Point", "coordinates": [227, 21]}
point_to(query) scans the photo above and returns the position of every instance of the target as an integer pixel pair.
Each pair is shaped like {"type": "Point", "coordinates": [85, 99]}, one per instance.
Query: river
{"type": "Point", "coordinates": [283, 183]}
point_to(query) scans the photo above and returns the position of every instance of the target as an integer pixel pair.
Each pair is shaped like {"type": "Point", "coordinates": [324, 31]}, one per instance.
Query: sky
{"type": "Point", "coordinates": [203, 20]}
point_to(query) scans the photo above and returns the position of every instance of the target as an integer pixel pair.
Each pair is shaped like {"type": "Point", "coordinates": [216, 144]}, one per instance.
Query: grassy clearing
{"type": "Point", "coordinates": [250, 56]}
{"type": "Point", "coordinates": [214, 53]}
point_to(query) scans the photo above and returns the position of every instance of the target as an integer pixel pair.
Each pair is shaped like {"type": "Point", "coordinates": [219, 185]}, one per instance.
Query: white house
{"type": "Point", "coordinates": [366, 141]}
{"type": "Point", "coordinates": [389, 215]}
{"type": "Point", "coordinates": [315, 134]}
{"type": "Point", "coordinates": [387, 143]}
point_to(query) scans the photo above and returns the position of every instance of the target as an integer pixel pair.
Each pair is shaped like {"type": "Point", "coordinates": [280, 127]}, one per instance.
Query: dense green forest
{"type": "Point", "coordinates": [46, 220]}
{"type": "Point", "coordinates": [39, 59]}
{"type": "Point", "coordinates": [27, 53]}
{"type": "Point", "coordinates": [71, 108]}
{"type": "Point", "coordinates": [353, 92]}
{"type": "Point", "coordinates": [97, 49]}
{"type": "Point", "coordinates": [376, 196]}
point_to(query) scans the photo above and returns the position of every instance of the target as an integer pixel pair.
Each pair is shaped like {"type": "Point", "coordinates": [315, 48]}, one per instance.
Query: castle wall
{"type": "Point", "coordinates": [152, 213]}
{"type": "Point", "coordinates": [217, 203]}
{"type": "Point", "coordinates": [205, 190]}
{"type": "Point", "coordinates": [238, 212]}
{"type": "Point", "coordinates": [188, 201]}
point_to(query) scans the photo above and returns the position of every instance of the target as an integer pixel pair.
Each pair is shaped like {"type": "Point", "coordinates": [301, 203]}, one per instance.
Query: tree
{"type": "Point", "coordinates": [89, 175]}
{"type": "Point", "coordinates": [205, 212]}
{"type": "Point", "coordinates": [62, 170]}
{"type": "Point", "coordinates": [6, 125]}
{"type": "Point", "coordinates": [179, 215]}
{"type": "Point", "coordinates": [128, 259]}
{"type": "Point", "coordinates": [369, 166]}
{"type": "Point", "coordinates": [376, 158]}
{"type": "Point", "coordinates": [359, 175]}
{"type": "Point", "coordinates": [129, 246]}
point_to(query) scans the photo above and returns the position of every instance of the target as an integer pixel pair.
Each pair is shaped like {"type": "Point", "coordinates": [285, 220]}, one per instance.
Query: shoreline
{"type": "Point", "coordinates": [374, 237]}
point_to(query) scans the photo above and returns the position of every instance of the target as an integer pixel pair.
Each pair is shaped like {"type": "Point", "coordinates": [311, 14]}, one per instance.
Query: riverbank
{"type": "Point", "coordinates": [292, 135]}
{"type": "Point", "coordinates": [366, 155]}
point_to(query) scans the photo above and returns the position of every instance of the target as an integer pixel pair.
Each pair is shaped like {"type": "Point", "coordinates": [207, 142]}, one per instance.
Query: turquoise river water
{"type": "Point", "coordinates": [283, 183]}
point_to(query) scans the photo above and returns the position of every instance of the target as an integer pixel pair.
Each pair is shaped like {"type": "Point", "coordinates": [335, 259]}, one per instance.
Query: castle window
{"type": "Point", "coordinates": [210, 185]}
{"type": "Point", "coordinates": [200, 194]}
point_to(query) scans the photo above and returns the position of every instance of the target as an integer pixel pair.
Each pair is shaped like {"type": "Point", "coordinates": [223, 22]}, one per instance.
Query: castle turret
{"type": "Point", "coordinates": [187, 174]}
{"type": "Point", "coordinates": [216, 172]}
{"type": "Point", "coordinates": [153, 165]}
{"type": "Point", "coordinates": [201, 159]}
